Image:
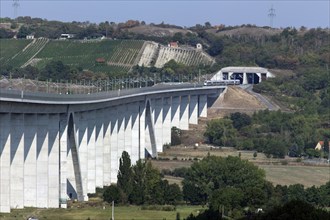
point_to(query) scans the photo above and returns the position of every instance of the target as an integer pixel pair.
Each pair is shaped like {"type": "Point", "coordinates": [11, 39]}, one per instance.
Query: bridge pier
{"type": "Point", "coordinates": [53, 161]}
{"type": "Point", "coordinates": [135, 145]}
{"type": "Point", "coordinates": [113, 143]}
{"type": "Point", "coordinates": [30, 160]}
{"type": "Point", "coordinates": [99, 148]}
{"type": "Point", "coordinates": [106, 118]}
{"type": "Point", "coordinates": [17, 161]}
{"type": "Point", "coordinates": [202, 106]}
{"type": "Point", "coordinates": [158, 117]}
{"type": "Point", "coordinates": [184, 113]}
{"type": "Point", "coordinates": [175, 113]}
{"type": "Point", "coordinates": [193, 109]}
{"type": "Point", "coordinates": [5, 147]}
{"type": "Point", "coordinates": [51, 152]}
{"type": "Point", "coordinates": [166, 128]}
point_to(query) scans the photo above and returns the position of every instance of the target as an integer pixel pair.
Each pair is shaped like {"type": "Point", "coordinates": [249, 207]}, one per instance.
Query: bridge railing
{"type": "Point", "coordinates": [89, 86]}
{"type": "Point", "coordinates": [53, 97]}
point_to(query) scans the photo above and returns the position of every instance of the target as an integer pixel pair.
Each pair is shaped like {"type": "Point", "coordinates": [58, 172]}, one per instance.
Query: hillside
{"type": "Point", "coordinates": [247, 31]}
{"type": "Point", "coordinates": [154, 31]}
{"type": "Point", "coordinates": [117, 56]}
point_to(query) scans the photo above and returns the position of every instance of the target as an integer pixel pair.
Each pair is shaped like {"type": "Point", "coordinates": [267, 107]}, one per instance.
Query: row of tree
{"type": "Point", "coordinates": [141, 184]}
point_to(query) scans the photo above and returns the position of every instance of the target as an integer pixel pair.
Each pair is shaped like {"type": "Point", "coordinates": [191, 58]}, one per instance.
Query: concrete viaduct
{"type": "Point", "coordinates": [54, 146]}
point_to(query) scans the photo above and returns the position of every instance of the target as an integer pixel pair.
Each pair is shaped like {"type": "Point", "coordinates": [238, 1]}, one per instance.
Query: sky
{"type": "Point", "coordinates": [297, 13]}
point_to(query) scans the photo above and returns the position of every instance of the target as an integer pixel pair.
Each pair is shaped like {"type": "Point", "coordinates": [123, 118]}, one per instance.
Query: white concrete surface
{"type": "Point", "coordinates": [5, 141]}
{"type": "Point", "coordinates": [193, 109]}
{"type": "Point", "coordinates": [184, 113]}
{"type": "Point", "coordinates": [30, 160]}
{"type": "Point", "coordinates": [46, 156]}
{"type": "Point", "coordinates": [202, 106]}
{"type": "Point", "coordinates": [42, 161]}
{"type": "Point", "coordinates": [167, 102]}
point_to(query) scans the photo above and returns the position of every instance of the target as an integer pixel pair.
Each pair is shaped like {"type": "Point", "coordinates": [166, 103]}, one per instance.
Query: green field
{"type": "Point", "coordinates": [119, 55]}
{"type": "Point", "coordinates": [10, 47]}
{"type": "Point", "coordinates": [305, 175]}
{"type": "Point", "coordinates": [278, 171]}
{"type": "Point", "coordinates": [98, 213]}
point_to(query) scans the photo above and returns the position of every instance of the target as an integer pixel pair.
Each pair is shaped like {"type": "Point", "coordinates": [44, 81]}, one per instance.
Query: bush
{"type": "Point", "coordinates": [168, 208]}
{"type": "Point", "coordinates": [175, 136]}
{"type": "Point", "coordinates": [112, 193]}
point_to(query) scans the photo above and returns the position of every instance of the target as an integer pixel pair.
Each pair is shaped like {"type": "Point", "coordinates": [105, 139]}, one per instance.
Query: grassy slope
{"type": "Point", "coordinates": [275, 171]}
{"type": "Point", "coordinates": [306, 175]}
{"type": "Point", "coordinates": [76, 53]}
{"type": "Point", "coordinates": [121, 213]}
{"type": "Point", "coordinates": [10, 47]}
{"type": "Point", "coordinates": [120, 53]}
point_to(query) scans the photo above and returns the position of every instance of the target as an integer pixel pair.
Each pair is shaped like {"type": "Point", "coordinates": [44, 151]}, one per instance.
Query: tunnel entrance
{"type": "Point", "coordinates": [238, 76]}
{"type": "Point", "coordinates": [252, 78]}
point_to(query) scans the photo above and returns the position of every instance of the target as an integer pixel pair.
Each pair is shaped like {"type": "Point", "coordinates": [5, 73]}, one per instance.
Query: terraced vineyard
{"type": "Point", "coordinates": [10, 48]}
{"type": "Point", "coordinates": [115, 56]}
{"type": "Point", "coordinates": [27, 54]}
{"type": "Point", "coordinates": [119, 55]}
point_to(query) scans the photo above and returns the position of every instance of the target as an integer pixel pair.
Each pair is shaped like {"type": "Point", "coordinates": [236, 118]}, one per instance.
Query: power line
{"type": "Point", "coordinates": [15, 6]}
{"type": "Point", "coordinates": [271, 15]}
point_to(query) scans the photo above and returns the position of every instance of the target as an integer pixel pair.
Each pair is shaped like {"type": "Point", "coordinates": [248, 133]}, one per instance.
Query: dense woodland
{"type": "Point", "coordinates": [238, 187]}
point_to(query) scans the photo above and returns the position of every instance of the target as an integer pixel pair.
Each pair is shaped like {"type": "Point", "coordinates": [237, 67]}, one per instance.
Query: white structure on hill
{"type": "Point", "coordinates": [154, 54]}
{"type": "Point", "coordinates": [246, 75]}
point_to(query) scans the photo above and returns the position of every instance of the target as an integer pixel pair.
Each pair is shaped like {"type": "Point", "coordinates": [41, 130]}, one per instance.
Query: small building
{"type": "Point", "coordinates": [30, 37]}
{"type": "Point", "coordinates": [100, 60]}
{"type": "Point", "coordinates": [66, 36]}
{"type": "Point", "coordinates": [199, 46]}
{"type": "Point", "coordinates": [319, 145]}
{"type": "Point", "coordinates": [173, 44]}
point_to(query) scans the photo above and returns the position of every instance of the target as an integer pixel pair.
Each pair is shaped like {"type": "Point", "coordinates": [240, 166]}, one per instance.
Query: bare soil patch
{"type": "Point", "coordinates": [247, 31]}
{"type": "Point", "coordinates": [235, 99]}
{"type": "Point", "coordinates": [156, 31]}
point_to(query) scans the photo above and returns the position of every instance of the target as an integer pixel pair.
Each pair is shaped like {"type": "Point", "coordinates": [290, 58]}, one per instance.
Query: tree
{"type": "Point", "coordinates": [154, 193]}
{"type": "Point", "coordinates": [216, 47]}
{"type": "Point", "coordinates": [178, 37]}
{"type": "Point", "coordinates": [125, 182]}
{"type": "Point", "coordinates": [139, 187]}
{"type": "Point", "coordinates": [294, 209]}
{"type": "Point", "coordinates": [240, 120]}
{"type": "Point", "coordinates": [207, 24]}
{"type": "Point", "coordinates": [296, 192]}
{"type": "Point", "coordinates": [23, 32]}
{"type": "Point", "coordinates": [213, 173]}
{"type": "Point", "coordinates": [149, 188]}
{"type": "Point", "coordinates": [112, 193]}
{"type": "Point", "coordinates": [175, 136]}
{"type": "Point", "coordinates": [221, 132]}
{"type": "Point", "coordinates": [172, 193]}
{"type": "Point", "coordinates": [228, 197]}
